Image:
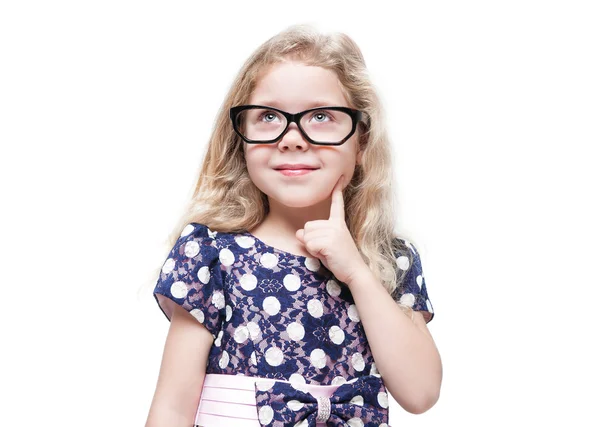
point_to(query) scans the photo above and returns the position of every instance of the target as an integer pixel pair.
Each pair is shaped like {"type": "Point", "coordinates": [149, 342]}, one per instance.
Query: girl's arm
{"type": "Point", "coordinates": [404, 351]}
{"type": "Point", "coordinates": [181, 373]}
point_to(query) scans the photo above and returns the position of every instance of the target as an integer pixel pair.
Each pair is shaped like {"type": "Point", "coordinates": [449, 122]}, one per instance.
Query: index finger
{"type": "Point", "coordinates": [337, 211]}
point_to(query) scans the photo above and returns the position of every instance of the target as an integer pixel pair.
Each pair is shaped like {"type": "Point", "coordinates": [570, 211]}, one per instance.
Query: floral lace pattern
{"type": "Point", "coordinates": [274, 314]}
{"type": "Point", "coordinates": [363, 401]}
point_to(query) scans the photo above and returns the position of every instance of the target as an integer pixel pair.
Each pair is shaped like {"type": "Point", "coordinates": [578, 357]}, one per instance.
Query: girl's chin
{"type": "Point", "coordinates": [298, 201]}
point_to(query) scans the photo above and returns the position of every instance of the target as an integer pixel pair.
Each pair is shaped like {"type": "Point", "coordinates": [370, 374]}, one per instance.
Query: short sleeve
{"type": "Point", "coordinates": [412, 289]}
{"type": "Point", "coordinates": [191, 278]}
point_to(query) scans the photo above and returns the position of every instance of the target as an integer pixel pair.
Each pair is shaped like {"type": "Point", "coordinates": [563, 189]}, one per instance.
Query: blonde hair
{"type": "Point", "coordinates": [226, 200]}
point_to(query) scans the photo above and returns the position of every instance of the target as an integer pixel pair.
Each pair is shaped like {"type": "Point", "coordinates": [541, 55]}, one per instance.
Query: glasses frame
{"type": "Point", "coordinates": [356, 116]}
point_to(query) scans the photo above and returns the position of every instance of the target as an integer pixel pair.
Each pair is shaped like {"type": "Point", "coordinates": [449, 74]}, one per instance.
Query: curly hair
{"type": "Point", "coordinates": [226, 200]}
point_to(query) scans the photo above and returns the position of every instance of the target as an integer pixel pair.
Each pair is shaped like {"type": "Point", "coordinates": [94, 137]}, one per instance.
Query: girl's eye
{"type": "Point", "coordinates": [268, 116]}
{"type": "Point", "coordinates": [320, 116]}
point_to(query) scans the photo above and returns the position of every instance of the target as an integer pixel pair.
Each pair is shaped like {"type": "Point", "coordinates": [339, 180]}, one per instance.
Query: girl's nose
{"type": "Point", "coordinates": [293, 139]}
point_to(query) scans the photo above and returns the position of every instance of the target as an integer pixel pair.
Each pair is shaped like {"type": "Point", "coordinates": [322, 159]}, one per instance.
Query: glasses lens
{"type": "Point", "coordinates": [261, 124]}
{"type": "Point", "coordinates": [325, 126]}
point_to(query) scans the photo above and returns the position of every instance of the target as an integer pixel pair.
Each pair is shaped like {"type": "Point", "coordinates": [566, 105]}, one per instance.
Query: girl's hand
{"type": "Point", "coordinates": [331, 241]}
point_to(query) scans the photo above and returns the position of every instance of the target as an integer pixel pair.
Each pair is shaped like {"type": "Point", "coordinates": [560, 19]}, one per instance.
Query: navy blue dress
{"type": "Point", "coordinates": [274, 314]}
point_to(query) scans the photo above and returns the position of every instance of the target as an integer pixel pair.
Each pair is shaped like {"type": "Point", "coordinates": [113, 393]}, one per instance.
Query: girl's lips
{"type": "Point", "coordinates": [295, 172]}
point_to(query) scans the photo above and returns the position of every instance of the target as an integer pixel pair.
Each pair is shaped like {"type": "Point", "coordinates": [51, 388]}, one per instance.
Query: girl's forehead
{"type": "Point", "coordinates": [294, 85]}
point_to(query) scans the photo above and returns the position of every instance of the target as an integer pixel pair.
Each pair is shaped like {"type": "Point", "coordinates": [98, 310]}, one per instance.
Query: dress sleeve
{"type": "Point", "coordinates": [191, 277]}
{"type": "Point", "coordinates": [411, 290]}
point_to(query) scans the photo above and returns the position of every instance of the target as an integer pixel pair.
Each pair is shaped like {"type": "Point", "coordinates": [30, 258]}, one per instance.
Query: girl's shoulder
{"type": "Point", "coordinates": [225, 243]}
{"type": "Point", "coordinates": [403, 247]}
{"type": "Point", "coordinates": [203, 231]}
{"type": "Point", "coordinates": [196, 240]}
{"type": "Point", "coordinates": [198, 229]}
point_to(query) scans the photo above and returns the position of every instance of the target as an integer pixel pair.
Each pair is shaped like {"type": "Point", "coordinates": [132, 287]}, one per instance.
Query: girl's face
{"type": "Point", "coordinates": [295, 87]}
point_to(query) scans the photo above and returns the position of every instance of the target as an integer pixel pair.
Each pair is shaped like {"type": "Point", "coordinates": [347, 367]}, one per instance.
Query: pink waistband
{"type": "Point", "coordinates": [230, 400]}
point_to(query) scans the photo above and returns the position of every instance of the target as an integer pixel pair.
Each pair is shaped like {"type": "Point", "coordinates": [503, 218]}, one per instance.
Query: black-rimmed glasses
{"type": "Point", "coordinates": [260, 124]}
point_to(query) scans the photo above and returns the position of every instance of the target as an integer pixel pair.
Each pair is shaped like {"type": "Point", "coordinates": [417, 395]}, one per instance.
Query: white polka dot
{"type": "Point", "coordinates": [408, 244]}
{"type": "Point", "coordinates": [407, 300]}
{"type": "Point", "coordinates": [295, 405]}
{"type": "Point", "coordinates": [274, 356]}
{"type": "Point", "coordinates": [358, 400]}
{"type": "Point", "coordinates": [248, 281]}
{"type": "Point", "coordinates": [265, 415]}
{"type": "Point", "coordinates": [315, 308]}
{"type": "Point", "coordinates": [291, 282]}
{"type": "Point", "coordinates": [168, 266]}
{"type": "Point", "coordinates": [336, 335]}
{"type": "Point", "coordinates": [218, 339]}
{"type": "Point", "coordinates": [269, 260]}
{"type": "Point", "coordinates": [382, 398]}
{"type": "Point", "coordinates": [303, 423]}
{"type": "Point", "coordinates": [333, 288]}
{"type": "Point", "coordinates": [420, 281]}
{"type": "Point", "coordinates": [198, 314]}
{"type": "Point", "coordinates": [358, 363]}
{"type": "Point", "coordinates": [254, 330]}
{"type": "Point", "coordinates": [313, 264]}
{"type": "Point", "coordinates": [191, 249]}
{"type": "Point", "coordinates": [179, 289]}
{"type": "Point", "coordinates": [218, 299]}
{"type": "Point", "coordinates": [297, 379]}
{"type": "Point", "coordinates": [226, 257]}
{"type": "Point", "coordinates": [338, 381]}
{"type": "Point", "coordinates": [295, 331]}
{"type": "Point", "coordinates": [403, 262]}
{"type": "Point", "coordinates": [298, 382]}
{"type": "Point", "coordinates": [374, 371]}
{"type": "Point", "coordinates": [429, 307]}
{"type": "Point", "coordinates": [355, 422]}
{"type": "Point", "coordinates": [187, 230]}
{"type": "Point", "coordinates": [224, 360]}
{"type": "Point", "coordinates": [264, 384]}
{"type": "Point", "coordinates": [241, 334]}
{"type": "Point", "coordinates": [245, 241]}
{"type": "Point", "coordinates": [317, 358]}
{"type": "Point", "coordinates": [211, 233]}
{"type": "Point", "coordinates": [204, 274]}
{"type": "Point", "coordinates": [252, 360]}
{"type": "Point", "coordinates": [353, 313]}
{"type": "Point", "coordinates": [271, 305]}
{"type": "Point", "coordinates": [228, 313]}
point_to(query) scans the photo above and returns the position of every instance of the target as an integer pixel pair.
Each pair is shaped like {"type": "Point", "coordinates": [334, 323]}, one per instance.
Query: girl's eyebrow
{"type": "Point", "coordinates": [314, 104]}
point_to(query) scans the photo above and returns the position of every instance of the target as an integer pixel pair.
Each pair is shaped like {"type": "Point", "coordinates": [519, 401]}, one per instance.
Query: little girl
{"type": "Point", "coordinates": [290, 298]}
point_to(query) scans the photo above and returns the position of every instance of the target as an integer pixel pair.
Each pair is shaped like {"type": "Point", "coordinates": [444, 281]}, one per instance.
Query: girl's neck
{"type": "Point", "coordinates": [273, 236]}
{"type": "Point", "coordinates": [281, 223]}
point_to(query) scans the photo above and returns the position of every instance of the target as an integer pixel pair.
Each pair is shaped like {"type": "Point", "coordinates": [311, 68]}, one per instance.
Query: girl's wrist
{"type": "Point", "coordinates": [361, 273]}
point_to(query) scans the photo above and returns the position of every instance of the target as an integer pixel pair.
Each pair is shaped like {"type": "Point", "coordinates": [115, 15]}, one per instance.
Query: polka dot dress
{"type": "Point", "coordinates": [274, 314]}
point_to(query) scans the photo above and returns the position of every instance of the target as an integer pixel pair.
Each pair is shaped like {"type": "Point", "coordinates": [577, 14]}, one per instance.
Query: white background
{"type": "Point", "coordinates": [493, 109]}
